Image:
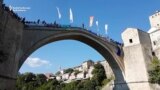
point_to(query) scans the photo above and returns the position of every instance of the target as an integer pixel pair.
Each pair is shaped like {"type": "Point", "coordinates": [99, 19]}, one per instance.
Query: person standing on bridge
{"type": "Point", "coordinates": [83, 25]}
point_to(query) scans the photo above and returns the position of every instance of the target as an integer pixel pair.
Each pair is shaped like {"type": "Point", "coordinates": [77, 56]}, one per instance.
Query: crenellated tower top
{"type": "Point", "coordinates": [155, 20]}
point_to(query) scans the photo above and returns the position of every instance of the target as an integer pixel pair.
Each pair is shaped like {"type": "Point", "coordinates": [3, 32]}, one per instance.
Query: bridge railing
{"type": "Point", "coordinates": [44, 25]}
{"type": "Point", "coordinates": [66, 27]}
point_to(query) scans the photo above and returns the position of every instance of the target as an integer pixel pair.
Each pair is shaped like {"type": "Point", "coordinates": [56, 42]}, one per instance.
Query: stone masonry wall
{"type": "Point", "coordinates": [135, 67]}
{"type": "Point", "coordinates": [10, 38]}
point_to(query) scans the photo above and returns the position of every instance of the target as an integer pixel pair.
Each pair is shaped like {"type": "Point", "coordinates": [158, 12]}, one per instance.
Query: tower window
{"type": "Point", "coordinates": [130, 40]}
{"type": "Point", "coordinates": [154, 42]}
{"type": "Point", "coordinates": [153, 54]}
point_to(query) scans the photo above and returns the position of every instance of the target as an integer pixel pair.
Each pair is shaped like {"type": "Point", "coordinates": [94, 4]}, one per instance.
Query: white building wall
{"type": "Point", "coordinates": [80, 75]}
{"type": "Point", "coordinates": [72, 76]}
{"type": "Point", "coordinates": [155, 38]}
{"type": "Point", "coordinates": [58, 78]}
{"type": "Point", "coordinates": [157, 52]}
{"type": "Point", "coordinates": [89, 74]}
{"type": "Point", "coordinates": [85, 66]}
{"type": "Point", "coordinates": [155, 32]}
{"type": "Point", "coordinates": [130, 34]}
{"type": "Point", "coordinates": [65, 76]}
{"type": "Point", "coordinates": [108, 70]}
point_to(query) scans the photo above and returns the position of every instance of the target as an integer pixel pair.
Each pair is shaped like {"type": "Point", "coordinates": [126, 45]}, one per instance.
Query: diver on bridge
{"type": "Point", "coordinates": [23, 20]}
{"type": "Point", "coordinates": [38, 21]}
{"type": "Point", "coordinates": [44, 22]}
{"type": "Point", "coordinates": [83, 25]}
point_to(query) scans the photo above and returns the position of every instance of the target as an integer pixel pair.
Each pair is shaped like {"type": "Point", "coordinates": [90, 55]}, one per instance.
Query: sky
{"type": "Point", "coordinates": [117, 14]}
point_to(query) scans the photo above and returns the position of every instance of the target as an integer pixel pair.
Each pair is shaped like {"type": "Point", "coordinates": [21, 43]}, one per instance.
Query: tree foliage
{"type": "Point", "coordinates": [76, 72]}
{"type": "Point", "coordinates": [58, 73]}
{"type": "Point", "coordinates": [69, 70]}
{"type": "Point", "coordinates": [154, 73]}
{"type": "Point", "coordinates": [30, 81]}
{"type": "Point", "coordinates": [98, 74]}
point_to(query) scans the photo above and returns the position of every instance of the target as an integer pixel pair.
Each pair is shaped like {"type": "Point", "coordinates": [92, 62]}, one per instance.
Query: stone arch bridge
{"type": "Point", "coordinates": [36, 36]}
{"type": "Point", "coordinates": [18, 41]}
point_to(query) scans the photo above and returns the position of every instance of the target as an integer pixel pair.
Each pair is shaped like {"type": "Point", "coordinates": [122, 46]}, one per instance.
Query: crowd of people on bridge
{"type": "Point", "coordinates": [10, 11]}
{"type": "Point", "coordinates": [42, 24]}
{"type": "Point", "coordinates": [53, 25]}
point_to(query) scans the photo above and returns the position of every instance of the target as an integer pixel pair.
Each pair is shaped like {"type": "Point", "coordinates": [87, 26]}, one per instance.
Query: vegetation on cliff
{"type": "Point", "coordinates": [30, 81]}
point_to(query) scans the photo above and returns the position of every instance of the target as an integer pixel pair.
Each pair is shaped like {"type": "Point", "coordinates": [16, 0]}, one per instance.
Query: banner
{"type": "Point", "coordinates": [59, 14]}
{"type": "Point", "coordinates": [106, 28]}
{"type": "Point", "coordinates": [71, 15]}
{"type": "Point", "coordinates": [91, 21]}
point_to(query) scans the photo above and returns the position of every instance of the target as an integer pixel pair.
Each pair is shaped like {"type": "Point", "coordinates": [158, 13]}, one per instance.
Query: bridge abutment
{"type": "Point", "coordinates": [10, 42]}
{"type": "Point", "coordinates": [7, 83]}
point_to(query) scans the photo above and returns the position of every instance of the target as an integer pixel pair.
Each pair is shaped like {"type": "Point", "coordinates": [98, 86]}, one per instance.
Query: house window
{"type": "Point", "coordinates": [154, 42]}
{"type": "Point", "coordinates": [130, 40]}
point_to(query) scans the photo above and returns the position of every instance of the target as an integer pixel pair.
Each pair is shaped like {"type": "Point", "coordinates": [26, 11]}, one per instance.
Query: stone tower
{"type": "Point", "coordinates": [137, 55]}
{"type": "Point", "coordinates": [154, 20]}
{"type": "Point", "coordinates": [155, 33]}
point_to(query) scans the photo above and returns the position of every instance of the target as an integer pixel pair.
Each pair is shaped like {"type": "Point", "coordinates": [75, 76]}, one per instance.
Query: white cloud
{"type": "Point", "coordinates": [37, 62]}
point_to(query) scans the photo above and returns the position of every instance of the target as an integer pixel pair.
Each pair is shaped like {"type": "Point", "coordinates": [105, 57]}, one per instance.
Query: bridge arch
{"type": "Point", "coordinates": [83, 36]}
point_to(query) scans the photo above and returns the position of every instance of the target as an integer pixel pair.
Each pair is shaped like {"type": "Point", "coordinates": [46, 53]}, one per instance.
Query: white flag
{"type": "Point", "coordinates": [10, 7]}
{"type": "Point", "coordinates": [91, 21]}
{"type": "Point", "coordinates": [71, 15]}
{"type": "Point", "coordinates": [97, 25]}
{"type": "Point", "coordinates": [106, 28]}
{"type": "Point", "coordinates": [59, 14]}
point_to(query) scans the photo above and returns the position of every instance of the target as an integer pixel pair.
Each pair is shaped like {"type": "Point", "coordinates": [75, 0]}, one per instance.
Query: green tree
{"type": "Point", "coordinates": [58, 73]}
{"type": "Point", "coordinates": [77, 72]}
{"type": "Point", "coordinates": [154, 73]}
{"type": "Point", "coordinates": [98, 74]}
{"type": "Point", "coordinates": [70, 86]}
{"type": "Point", "coordinates": [29, 77]}
{"type": "Point", "coordinates": [40, 79]}
{"type": "Point", "coordinates": [30, 81]}
{"type": "Point", "coordinates": [69, 70]}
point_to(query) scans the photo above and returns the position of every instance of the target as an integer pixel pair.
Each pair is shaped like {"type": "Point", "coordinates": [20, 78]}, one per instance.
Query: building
{"type": "Point", "coordinates": [155, 33]}
{"type": "Point", "coordinates": [85, 71]}
{"type": "Point", "coordinates": [137, 57]}
{"type": "Point", "coordinates": [72, 76]}
{"type": "Point", "coordinates": [50, 76]}
{"type": "Point", "coordinates": [65, 76]}
{"type": "Point", "coordinates": [80, 68]}
{"type": "Point", "coordinates": [87, 64]}
{"type": "Point", "coordinates": [107, 68]}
